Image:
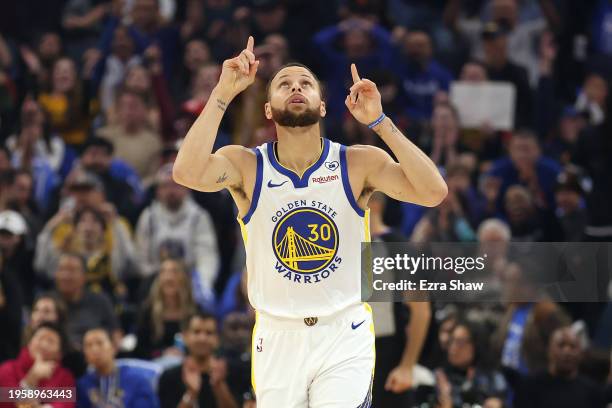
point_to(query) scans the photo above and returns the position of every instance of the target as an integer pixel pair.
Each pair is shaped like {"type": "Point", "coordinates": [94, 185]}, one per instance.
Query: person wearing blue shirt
{"type": "Point", "coordinates": [527, 167]}
{"type": "Point", "coordinates": [353, 40]}
{"type": "Point", "coordinates": [422, 77]}
{"type": "Point", "coordinates": [109, 385]}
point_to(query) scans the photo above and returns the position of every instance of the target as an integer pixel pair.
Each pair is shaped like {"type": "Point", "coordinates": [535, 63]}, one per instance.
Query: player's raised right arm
{"type": "Point", "coordinates": [196, 166]}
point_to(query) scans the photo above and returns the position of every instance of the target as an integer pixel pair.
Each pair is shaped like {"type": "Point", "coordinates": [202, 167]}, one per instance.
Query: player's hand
{"type": "Point", "coordinates": [238, 72]}
{"type": "Point", "coordinates": [363, 100]}
{"type": "Point", "coordinates": [399, 379]}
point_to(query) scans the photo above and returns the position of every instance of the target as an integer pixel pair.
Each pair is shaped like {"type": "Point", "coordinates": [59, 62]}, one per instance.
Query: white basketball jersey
{"type": "Point", "coordinates": [303, 236]}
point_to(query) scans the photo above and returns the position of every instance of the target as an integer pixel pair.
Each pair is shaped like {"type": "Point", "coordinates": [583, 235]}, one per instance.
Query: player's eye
{"type": "Point", "coordinates": [307, 83]}
{"type": "Point", "coordinates": [283, 84]}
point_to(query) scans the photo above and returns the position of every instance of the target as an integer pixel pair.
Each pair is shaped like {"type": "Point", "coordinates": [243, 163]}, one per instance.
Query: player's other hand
{"type": "Point", "coordinates": [363, 101]}
{"type": "Point", "coordinates": [238, 72]}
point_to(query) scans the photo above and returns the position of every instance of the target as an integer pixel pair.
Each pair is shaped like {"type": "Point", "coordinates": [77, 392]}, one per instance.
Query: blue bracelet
{"type": "Point", "coordinates": [377, 121]}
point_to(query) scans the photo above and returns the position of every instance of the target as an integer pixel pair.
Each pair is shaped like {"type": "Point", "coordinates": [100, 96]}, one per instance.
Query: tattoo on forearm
{"type": "Point", "coordinates": [222, 178]}
{"type": "Point", "coordinates": [394, 129]}
{"type": "Point", "coordinates": [221, 105]}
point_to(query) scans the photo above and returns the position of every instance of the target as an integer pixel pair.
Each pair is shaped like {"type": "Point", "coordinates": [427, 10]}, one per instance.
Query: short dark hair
{"type": "Point", "coordinates": [58, 330]}
{"type": "Point", "coordinates": [96, 141]}
{"type": "Point", "coordinates": [295, 64]}
{"type": "Point", "coordinates": [198, 314]}
{"type": "Point", "coordinates": [103, 329]}
{"type": "Point", "coordinates": [76, 255]}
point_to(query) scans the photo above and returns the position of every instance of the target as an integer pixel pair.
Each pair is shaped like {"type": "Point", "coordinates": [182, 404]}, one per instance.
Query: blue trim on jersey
{"type": "Point", "coordinates": [346, 183]}
{"type": "Point", "coordinates": [257, 189]}
{"type": "Point", "coordinates": [295, 179]}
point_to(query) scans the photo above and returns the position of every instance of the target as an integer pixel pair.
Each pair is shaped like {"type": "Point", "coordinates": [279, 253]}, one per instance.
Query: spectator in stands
{"type": "Point", "coordinates": [33, 149]}
{"type": "Point", "coordinates": [118, 182]}
{"type": "Point", "coordinates": [592, 99]}
{"type": "Point", "coordinates": [235, 296]}
{"type": "Point", "coordinates": [366, 44]}
{"type": "Point", "coordinates": [450, 221]}
{"type": "Point", "coordinates": [592, 152]}
{"type": "Point", "coordinates": [196, 55]}
{"type": "Point", "coordinates": [170, 301]}
{"type": "Point", "coordinates": [36, 143]}
{"type": "Point", "coordinates": [465, 378]}
{"type": "Point", "coordinates": [202, 378]}
{"type": "Point", "coordinates": [47, 307]}
{"type": "Point", "coordinates": [444, 144]}
{"type": "Point", "coordinates": [85, 309]}
{"type": "Point", "coordinates": [526, 166]}
{"type": "Point", "coordinates": [11, 306]}
{"type": "Point", "coordinates": [421, 76]}
{"type": "Point", "coordinates": [133, 137]}
{"type": "Point", "coordinates": [38, 365]}
{"type": "Point", "coordinates": [116, 66]}
{"type": "Point", "coordinates": [82, 22]}
{"type": "Point", "coordinates": [527, 221]}
{"type": "Point", "coordinates": [147, 28]}
{"type": "Point", "coordinates": [204, 82]}
{"type": "Point", "coordinates": [174, 225]}
{"type": "Point", "coordinates": [522, 33]}
{"type": "Point", "coordinates": [69, 103]}
{"type": "Point", "coordinates": [19, 198]}
{"type": "Point", "coordinates": [562, 142]}
{"type": "Point", "coordinates": [561, 385]}
{"type": "Point", "coordinates": [126, 386]}
{"type": "Point", "coordinates": [16, 256]}
{"type": "Point", "coordinates": [571, 211]}
{"type": "Point", "coordinates": [522, 336]}
{"type": "Point", "coordinates": [501, 68]}
{"type": "Point", "coordinates": [100, 237]}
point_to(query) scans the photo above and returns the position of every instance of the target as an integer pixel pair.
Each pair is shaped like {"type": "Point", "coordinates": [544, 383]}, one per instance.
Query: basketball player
{"type": "Point", "coordinates": [302, 209]}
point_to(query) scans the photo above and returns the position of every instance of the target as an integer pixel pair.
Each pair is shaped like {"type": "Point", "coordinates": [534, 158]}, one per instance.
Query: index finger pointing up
{"type": "Point", "coordinates": [250, 43]}
{"type": "Point", "coordinates": [355, 74]}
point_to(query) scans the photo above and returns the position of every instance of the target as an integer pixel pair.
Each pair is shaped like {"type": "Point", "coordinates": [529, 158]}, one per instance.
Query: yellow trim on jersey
{"type": "Point", "coordinates": [366, 223]}
{"type": "Point", "coordinates": [243, 230]}
{"type": "Point", "coordinates": [253, 351]}
{"type": "Point", "coordinates": [306, 169]}
{"type": "Point", "coordinates": [369, 310]}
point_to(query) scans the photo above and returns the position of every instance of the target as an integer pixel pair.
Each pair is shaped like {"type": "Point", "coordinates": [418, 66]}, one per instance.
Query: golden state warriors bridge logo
{"type": "Point", "coordinates": [305, 242]}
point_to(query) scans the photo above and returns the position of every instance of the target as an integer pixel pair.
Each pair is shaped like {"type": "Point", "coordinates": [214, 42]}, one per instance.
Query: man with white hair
{"type": "Point", "coordinates": [174, 226]}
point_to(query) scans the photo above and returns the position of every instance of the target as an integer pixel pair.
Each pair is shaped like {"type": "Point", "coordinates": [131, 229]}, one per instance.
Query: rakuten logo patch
{"type": "Point", "coordinates": [324, 179]}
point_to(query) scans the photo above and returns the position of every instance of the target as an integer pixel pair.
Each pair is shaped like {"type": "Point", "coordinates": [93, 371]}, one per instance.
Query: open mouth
{"type": "Point", "coordinates": [297, 99]}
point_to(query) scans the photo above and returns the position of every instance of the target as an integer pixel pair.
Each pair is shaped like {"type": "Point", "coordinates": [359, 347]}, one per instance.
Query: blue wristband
{"type": "Point", "coordinates": [377, 121]}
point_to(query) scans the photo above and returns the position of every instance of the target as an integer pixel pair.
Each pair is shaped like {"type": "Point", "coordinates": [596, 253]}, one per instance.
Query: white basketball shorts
{"type": "Point", "coordinates": [325, 362]}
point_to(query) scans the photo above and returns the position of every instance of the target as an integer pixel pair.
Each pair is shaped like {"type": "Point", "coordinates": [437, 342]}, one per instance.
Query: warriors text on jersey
{"type": "Point", "coordinates": [303, 236]}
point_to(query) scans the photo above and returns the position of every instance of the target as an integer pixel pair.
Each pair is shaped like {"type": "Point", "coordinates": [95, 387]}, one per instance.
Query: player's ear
{"type": "Point", "coordinates": [268, 110]}
{"type": "Point", "coordinates": [322, 109]}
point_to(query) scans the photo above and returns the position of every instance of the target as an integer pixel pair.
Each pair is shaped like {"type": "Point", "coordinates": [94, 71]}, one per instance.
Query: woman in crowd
{"type": "Point", "coordinates": [465, 377]}
{"type": "Point", "coordinates": [69, 103]}
{"type": "Point", "coordinates": [46, 308]}
{"type": "Point", "coordinates": [170, 301]}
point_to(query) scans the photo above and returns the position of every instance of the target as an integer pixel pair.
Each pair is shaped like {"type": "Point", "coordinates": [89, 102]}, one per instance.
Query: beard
{"type": "Point", "coordinates": [286, 118]}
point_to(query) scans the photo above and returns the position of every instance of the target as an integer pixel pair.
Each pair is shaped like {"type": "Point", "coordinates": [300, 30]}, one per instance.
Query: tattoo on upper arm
{"type": "Point", "coordinates": [222, 178]}
{"type": "Point", "coordinates": [221, 105]}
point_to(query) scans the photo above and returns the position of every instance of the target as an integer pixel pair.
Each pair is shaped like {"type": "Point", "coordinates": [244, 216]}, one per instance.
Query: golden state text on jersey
{"type": "Point", "coordinates": [305, 241]}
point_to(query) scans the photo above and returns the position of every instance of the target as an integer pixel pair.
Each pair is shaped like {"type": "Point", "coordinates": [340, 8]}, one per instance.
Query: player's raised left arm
{"type": "Point", "coordinates": [415, 178]}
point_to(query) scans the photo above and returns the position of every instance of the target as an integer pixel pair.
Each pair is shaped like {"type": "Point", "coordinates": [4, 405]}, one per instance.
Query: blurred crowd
{"type": "Point", "coordinates": [118, 281]}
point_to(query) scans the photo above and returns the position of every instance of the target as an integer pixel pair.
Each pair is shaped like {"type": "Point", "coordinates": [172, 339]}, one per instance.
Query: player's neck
{"type": "Point", "coordinates": [298, 148]}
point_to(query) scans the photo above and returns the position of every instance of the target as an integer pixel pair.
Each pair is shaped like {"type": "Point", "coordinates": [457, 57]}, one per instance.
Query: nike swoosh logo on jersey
{"type": "Point", "coordinates": [272, 185]}
{"type": "Point", "coordinates": [354, 326]}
